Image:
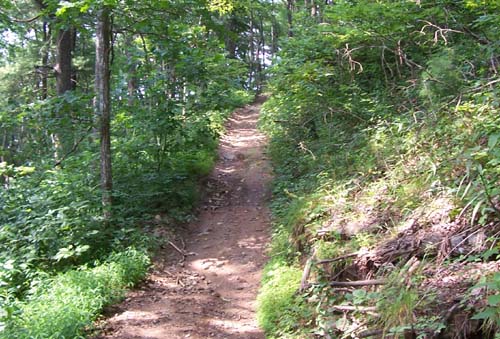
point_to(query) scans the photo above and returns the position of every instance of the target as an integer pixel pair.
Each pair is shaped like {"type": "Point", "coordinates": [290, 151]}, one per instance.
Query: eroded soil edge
{"type": "Point", "coordinates": [212, 293]}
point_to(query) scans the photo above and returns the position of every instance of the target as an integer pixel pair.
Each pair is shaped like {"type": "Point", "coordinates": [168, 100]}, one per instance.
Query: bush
{"type": "Point", "coordinates": [279, 308]}
{"type": "Point", "coordinates": [65, 306]}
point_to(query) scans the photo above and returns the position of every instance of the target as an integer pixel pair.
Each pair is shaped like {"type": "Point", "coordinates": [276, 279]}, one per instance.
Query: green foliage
{"type": "Point", "coordinates": [490, 312]}
{"type": "Point", "coordinates": [380, 114]}
{"type": "Point", "coordinates": [397, 304]}
{"type": "Point", "coordinates": [442, 77]}
{"type": "Point", "coordinates": [65, 306]}
{"type": "Point", "coordinates": [172, 90]}
{"type": "Point", "coordinates": [48, 219]}
{"type": "Point", "coordinates": [279, 306]}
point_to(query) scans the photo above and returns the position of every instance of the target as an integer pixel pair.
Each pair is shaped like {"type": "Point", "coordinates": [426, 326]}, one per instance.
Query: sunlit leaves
{"type": "Point", "coordinates": [82, 6]}
{"type": "Point", "coordinates": [221, 6]}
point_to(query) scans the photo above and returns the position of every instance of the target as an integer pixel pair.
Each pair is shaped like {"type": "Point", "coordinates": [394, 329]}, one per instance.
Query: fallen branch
{"type": "Point", "coordinates": [370, 333]}
{"type": "Point", "coordinates": [451, 311]}
{"type": "Point", "coordinates": [184, 254]}
{"type": "Point", "coordinates": [358, 283]}
{"type": "Point", "coordinates": [343, 257]}
{"type": "Point", "coordinates": [74, 148]}
{"type": "Point", "coordinates": [488, 84]}
{"type": "Point", "coordinates": [354, 308]}
{"type": "Point", "coordinates": [306, 273]}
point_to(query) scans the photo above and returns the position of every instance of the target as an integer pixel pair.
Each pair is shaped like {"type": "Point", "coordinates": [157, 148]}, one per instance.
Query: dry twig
{"type": "Point", "coordinates": [358, 283]}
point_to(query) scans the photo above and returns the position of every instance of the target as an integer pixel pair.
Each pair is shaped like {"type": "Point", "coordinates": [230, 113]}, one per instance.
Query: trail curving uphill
{"type": "Point", "coordinates": [211, 294]}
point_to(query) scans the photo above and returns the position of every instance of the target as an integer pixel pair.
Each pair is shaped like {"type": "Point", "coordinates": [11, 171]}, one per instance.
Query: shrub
{"type": "Point", "coordinates": [64, 306]}
{"type": "Point", "coordinates": [279, 307]}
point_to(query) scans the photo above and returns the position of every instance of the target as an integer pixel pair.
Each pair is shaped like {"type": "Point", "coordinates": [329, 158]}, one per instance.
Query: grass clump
{"type": "Point", "coordinates": [280, 308]}
{"type": "Point", "coordinates": [65, 306]}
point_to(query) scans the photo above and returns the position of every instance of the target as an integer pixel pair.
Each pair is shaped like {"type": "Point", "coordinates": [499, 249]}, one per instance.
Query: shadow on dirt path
{"type": "Point", "coordinates": [212, 293]}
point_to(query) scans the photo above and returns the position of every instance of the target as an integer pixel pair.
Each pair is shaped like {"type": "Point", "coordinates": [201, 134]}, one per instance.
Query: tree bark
{"type": "Point", "coordinates": [274, 38]}
{"type": "Point", "coordinates": [314, 9]}
{"type": "Point", "coordinates": [65, 43]}
{"type": "Point", "coordinates": [289, 15]}
{"type": "Point", "coordinates": [65, 81]}
{"type": "Point", "coordinates": [102, 104]}
{"type": "Point", "coordinates": [132, 71]}
{"type": "Point", "coordinates": [230, 41]}
{"type": "Point", "coordinates": [63, 61]}
{"type": "Point", "coordinates": [45, 60]}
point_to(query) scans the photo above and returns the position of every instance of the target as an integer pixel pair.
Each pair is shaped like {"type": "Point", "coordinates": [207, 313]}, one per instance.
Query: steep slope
{"type": "Point", "coordinates": [385, 128]}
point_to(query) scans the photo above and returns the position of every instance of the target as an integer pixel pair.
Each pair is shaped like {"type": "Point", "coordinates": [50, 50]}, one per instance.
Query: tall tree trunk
{"type": "Point", "coordinates": [45, 60]}
{"type": "Point", "coordinates": [64, 82]}
{"type": "Point", "coordinates": [314, 9]}
{"type": "Point", "coordinates": [262, 61]}
{"type": "Point", "coordinates": [251, 79]}
{"type": "Point", "coordinates": [230, 37]}
{"type": "Point", "coordinates": [63, 61]}
{"type": "Point", "coordinates": [274, 38]}
{"type": "Point", "coordinates": [289, 15]}
{"type": "Point", "coordinates": [62, 70]}
{"type": "Point", "coordinates": [102, 104]}
{"type": "Point", "coordinates": [132, 71]}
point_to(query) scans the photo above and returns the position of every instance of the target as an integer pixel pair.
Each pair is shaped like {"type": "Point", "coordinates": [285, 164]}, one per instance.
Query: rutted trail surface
{"type": "Point", "coordinates": [212, 293]}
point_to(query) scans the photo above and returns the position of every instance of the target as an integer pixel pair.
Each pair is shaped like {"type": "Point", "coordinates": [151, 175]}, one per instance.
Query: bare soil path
{"type": "Point", "coordinates": [211, 294]}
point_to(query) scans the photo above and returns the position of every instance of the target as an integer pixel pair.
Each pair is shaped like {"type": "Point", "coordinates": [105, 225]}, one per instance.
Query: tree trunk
{"type": "Point", "coordinates": [230, 40]}
{"type": "Point", "coordinates": [274, 38]}
{"type": "Point", "coordinates": [45, 60]}
{"type": "Point", "coordinates": [132, 71]}
{"type": "Point", "coordinates": [63, 61]}
{"type": "Point", "coordinates": [62, 69]}
{"type": "Point", "coordinates": [289, 15]}
{"type": "Point", "coordinates": [251, 79]}
{"type": "Point", "coordinates": [102, 104]}
{"type": "Point", "coordinates": [314, 9]}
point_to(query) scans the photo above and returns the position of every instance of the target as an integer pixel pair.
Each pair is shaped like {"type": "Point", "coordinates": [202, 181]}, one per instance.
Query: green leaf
{"type": "Point", "coordinates": [494, 300]}
{"type": "Point", "coordinates": [485, 314]}
{"type": "Point", "coordinates": [493, 140]}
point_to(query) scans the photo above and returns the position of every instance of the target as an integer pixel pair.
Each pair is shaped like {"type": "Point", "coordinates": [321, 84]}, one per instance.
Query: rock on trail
{"type": "Point", "coordinates": [210, 294]}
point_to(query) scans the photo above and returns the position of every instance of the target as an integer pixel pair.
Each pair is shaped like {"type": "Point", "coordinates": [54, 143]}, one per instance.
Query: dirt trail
{"type": "Point", "coordinates": [212, 293]}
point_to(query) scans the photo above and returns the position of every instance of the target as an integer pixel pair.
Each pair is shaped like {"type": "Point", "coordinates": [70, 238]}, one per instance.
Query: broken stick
{"type": "Point", "coordinates": [358, 283]}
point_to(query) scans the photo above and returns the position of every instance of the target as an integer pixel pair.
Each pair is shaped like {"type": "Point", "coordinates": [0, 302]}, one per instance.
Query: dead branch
{"type": "Point", "coordinates": [353, 64]}
{"type": "Point", "coordinates": [343, 257]}
{"type": "Point", "coordinates": [306, 273]}
{"type": "Point", "coordinates": [29, 20]}
{"type": "Point", "coordinates": [370, 333]}
{"type": "Point", "coordinates": [184, 254]}
{"type": "Point", "coordinates": [488, 84]}
{"type": "Point", "coordinates": [74, 148]}
{"type": "Point", "coordinates": [358, 283]}
{"type": "Point", "coordinates": [439, 31]}
{"type": "Point", "coordinates": [354, 308]}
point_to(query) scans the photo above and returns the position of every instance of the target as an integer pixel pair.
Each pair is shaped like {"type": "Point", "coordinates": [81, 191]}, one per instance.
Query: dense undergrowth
{"type": "Point", "coordinates": [64, 306]}
{"type": "Point", "coordinates": [385, 137]}
{"type": "Point", "coordinates": [110, 114]}
{"type": "Point", "coordinates": [56, 273]}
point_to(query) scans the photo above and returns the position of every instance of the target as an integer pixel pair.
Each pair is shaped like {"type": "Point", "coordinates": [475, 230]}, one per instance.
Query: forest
{"type": "Point", "coordinates": [383, 129]}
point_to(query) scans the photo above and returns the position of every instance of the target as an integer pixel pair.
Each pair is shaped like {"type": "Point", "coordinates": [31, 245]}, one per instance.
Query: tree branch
{"type": "Point", "coordinates": [358, 283]}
